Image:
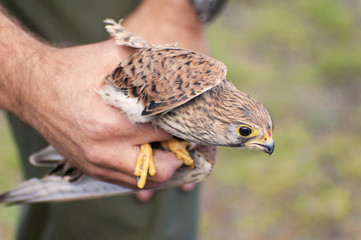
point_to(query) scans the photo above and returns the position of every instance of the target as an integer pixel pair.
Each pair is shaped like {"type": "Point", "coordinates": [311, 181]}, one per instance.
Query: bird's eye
{"type": "Point", "coordinates": [244, 131]}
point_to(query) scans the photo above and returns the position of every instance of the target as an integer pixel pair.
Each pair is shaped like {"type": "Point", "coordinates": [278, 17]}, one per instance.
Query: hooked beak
{"type": "Point", "coordinates": [267, 147]}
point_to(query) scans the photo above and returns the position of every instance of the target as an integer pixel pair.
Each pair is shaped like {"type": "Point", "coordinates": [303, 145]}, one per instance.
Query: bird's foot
{"type": "Point", "coordinates": [179, 149]}
{"type": "Point", "coordinates": [144, 165]}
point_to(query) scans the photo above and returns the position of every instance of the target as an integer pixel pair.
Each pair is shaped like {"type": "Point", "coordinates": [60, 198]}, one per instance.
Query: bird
{"type": "Point", "coordinates": [181, 91]}
{"type": "Point", "coordinates": [185, 93]}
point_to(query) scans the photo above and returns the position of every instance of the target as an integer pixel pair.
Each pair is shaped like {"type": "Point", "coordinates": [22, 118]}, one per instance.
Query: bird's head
{"type": "Point", "coordinates": [248, 125]}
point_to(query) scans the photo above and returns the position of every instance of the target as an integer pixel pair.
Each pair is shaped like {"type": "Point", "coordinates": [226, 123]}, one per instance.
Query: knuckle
{"type": "Point", "coordinates": [101, 130]}
{"type": "Point", "coordinates": [100, 127]}
{"type": "Point", "coordinates": [95, 155]}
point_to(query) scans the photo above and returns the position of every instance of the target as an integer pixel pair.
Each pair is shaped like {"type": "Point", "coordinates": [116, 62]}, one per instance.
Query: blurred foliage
{"type": "Point", "coordinates": [9, 176]}
{"type": "Point", "coordinates": [301, 59]}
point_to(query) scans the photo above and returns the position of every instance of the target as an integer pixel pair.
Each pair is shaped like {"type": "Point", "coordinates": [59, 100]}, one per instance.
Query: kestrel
{"type": "Point", "coordinates": [188, 95]}
{"type": "Point", "coordinates": [183, 92]}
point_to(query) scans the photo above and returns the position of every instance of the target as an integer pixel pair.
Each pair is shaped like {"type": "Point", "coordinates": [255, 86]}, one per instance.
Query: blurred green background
{"type": "Point", "coordinates": [302, 60]}
{"type": "Point", "coordinates": [9, 176]}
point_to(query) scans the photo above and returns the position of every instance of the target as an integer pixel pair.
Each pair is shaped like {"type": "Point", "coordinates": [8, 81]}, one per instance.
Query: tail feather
{"type": "Point", "coordinates": [123, 36]}
{"type": "Point", "coordinates": [126, 38]}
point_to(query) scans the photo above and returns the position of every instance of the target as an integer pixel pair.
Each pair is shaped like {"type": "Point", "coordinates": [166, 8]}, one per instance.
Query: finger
{"type": "Point", "coordinates": [147, 133]}
{"type": "Point", "coordinates": [115, 177]}
{"type": "Point", "coordinates": [166, 163]}
{"type": "Point", "coordinates": [145, 195]}
{"type": "Point", "coordinates": [123, 159]}
{"type": "Point", "coordinates": [123, 179]}
{"type": "Point", "coordinates": [117, 125]}
{"type": "Point", "coordinates": [188, 187]}
{"type": "Point", "coordinates": [121, 170]}
{"type": "Point", "coordinates": [116, 155]}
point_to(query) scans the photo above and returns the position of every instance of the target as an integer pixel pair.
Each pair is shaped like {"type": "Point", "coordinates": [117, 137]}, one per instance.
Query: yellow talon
{"type": "Point", "coordinates": [144, 164]}
{"type": "Point", "coordinates": [179, 148]}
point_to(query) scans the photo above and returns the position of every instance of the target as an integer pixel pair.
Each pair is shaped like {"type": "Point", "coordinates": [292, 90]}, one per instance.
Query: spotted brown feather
{"type": "Point", "coordinates": [163, 79]}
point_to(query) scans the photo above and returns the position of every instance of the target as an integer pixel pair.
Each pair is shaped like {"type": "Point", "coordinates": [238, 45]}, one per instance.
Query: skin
{"type": "Point", "coordinates": [53, 90]}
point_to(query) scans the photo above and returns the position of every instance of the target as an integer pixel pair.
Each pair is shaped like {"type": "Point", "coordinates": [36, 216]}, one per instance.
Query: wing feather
{"type": "Point", "coordinates": [163, 79]}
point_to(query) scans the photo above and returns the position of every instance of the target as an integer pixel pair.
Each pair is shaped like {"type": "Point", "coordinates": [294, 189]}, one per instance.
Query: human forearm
{"type": "Point", "coordinates": [19, 51]}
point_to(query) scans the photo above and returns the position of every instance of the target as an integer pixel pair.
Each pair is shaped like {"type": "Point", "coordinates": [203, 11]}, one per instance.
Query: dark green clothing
{"type": "Point", "coordinates": [171, 214]}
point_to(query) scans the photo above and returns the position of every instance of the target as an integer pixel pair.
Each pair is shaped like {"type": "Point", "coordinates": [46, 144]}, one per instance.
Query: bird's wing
{"type": "Point", "coordinates": [163, 79]}
{"type": "Point", "coordinates": [61, 185]}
